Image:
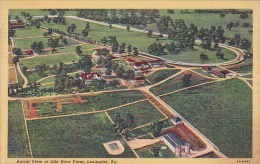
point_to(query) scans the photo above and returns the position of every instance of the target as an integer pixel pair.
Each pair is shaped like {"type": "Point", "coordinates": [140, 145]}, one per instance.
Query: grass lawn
{"type": "Point", "coordinates": [32, 77]}
{"type": "Point", "coordinates": [143, 112]}
{"type": "Point", "coordinates": [245, 66]}
{"type": "Point", "coordinates": [74, 137]}
{"type": "Point", "coordinates": [222, 111]}
{"type": "Point", "coordinates": [161, 75]}
{"type": "Point", "coordinates": [164, 151]}
{"type": "Point", "coordinates": [25, 44]}
{"type": "Point", "coordinates": [36, 12]}
{"type": "Point", "coordinates": [248, 76]}
{"type": "Point", "coordinates": [176, 83]}
{"type": "Point", "coordinates": [19, 77]}
{"type": "Point", "coordinates": [97, 32]}
{"type": "Point", "coordinates": [17, 138]}
{"type": "Point", "coordinates": [208, 20]}
{"type": "Point", "coordinates": [49, 60]}
{"type": "Point", "coordinates": [23, 33]}
{"type": "Point", "coordinates": [87, 49]}
{"type": "Point", "coordinates": [113, 99]}
{"type": "Point", "coordinates": [193, 56]}
{"type": "Point", "coordinates": [147, 129]}
{"type": "Point", "coordinates": [201, 71]}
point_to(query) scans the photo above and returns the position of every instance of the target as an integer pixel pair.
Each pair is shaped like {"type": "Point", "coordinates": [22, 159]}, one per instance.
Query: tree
{"type": "Point", "coordinates": [53, 12]}
{"type": "Point", "coordinates": [122, 48]}
{"type": "Point", "coordinates": [87, 25]}
{"type": "Point", "coordinates": [129, 48]}
{"type": "Point", "coordinates": [222, 15]}
{"type": "Point", "coordinates": [135, 51]}
{"type": "Point", "coordinates": [15, 59]}
{"type": "Point", "coordinates": [37, 47]}
{"type": "Point", "coordinates": [129, 74]}
{"type": "Point", "coordinates": [128, 27]}
{"type": "Point", "coordinates": [150, 33]}
{"type": "Point", "coordinates": [186, 79]}
{"type": "Point", "coordinates": [129, 119]}
{"type": "Point", "coordinates": [115, 47]}
{"type": "Point", "coordinates": [230, 25]}
{"type": "Point", "coordinates": [203, 57]}
{"type": "Point", "coordinates": [103, 52]}
{"type": "Point", "coordinates": [53, 43]}
{"type": "Point", "coordinates": [120, 72]}
{"type": "Point", "coordinates": [17, 51]}
{"type": "Point", "coordinates": [78, 50]}
{"type": "Point", "coordinates": [157, 127]}
{"type": "Point", "coordinates": [71, 28]}
{"type": "Point", "coordinates": [155, 150]}
{"type": "Point", "coordinates": [65, 42]}
{"type": "Point", "coordinates": [84, 33]}
{"type": "Point", "coordinates": [110, 25]}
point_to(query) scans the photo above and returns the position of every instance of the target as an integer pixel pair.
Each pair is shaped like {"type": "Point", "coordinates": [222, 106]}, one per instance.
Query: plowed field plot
{"type": "Point", "coordinates": [222, 111]}
{"type": "Point", "coordinates": [12, 77]}
{"type": "Point", "coordinates": [143, 113]}
{"type": "Point", "coordinates": [74, 137]}
{"type": "Point", "coordinates": [113, 99]}
{"type": "Point", "coordinates": [161, 75]}
{"type": "Point", "coordinates": [176, 83]}
{"type": "Point", "coordinates": [17, 137]}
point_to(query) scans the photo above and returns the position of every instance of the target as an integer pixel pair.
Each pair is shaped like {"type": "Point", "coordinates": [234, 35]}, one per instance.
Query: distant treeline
{"type": "Point", "coordinates": [227, 11]}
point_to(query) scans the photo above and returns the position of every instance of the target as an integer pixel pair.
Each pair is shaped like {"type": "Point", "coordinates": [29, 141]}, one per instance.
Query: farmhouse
{"type": "Point", "coordinates": [156, 63]}
{"type": "Point", "coordinates": [176, 145]}
{"type": "Point", "coordinates": [91, 76]}
{"type": "Point", "coordinates": [138, 64]}
{"type": "Point", "coordinates": [138, 80]}
{"type": "Point", "coordinates": [17, 25]}
{"type": "Point", "coordinates": [28, 52]}
{"type": "Point", "coordinates": [176, 121]}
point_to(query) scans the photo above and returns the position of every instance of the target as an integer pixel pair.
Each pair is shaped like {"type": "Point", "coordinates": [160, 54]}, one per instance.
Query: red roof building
{"type": "Point", "coordinates": [17, 25]}
{"type": "Point", "coordinates": [28, 52]}
{"type": "Point", "coordinates": [90, 76]}
{"type": "Point", "coordinates": [138, 80]}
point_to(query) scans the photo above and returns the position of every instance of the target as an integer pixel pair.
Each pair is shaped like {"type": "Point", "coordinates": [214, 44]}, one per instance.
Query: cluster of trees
{"type": "Point", "coordinates": [226, 11]}
{"type": "Point", "coordinates": [31, 90]}
{"type": "Point", "coordinates": [131, 17]}
{"type": "Point", "coordinates": [172, 48]}
{"type": "Point", "coordinates": [242, 43]}
{"type": "Point", "coordinates": [37, 47]}
{"type": "Point", "coordinates": [204, 57]}
{"type": "Point", "coordinates": [123, 125]}
{"type": "Point", "coordinates": [220, 54]}
{"type": "Point", "coordinates": [85, 31]}
{"type": "Point", "coordinates": [17, 51]}
{"type": "Point", "coordinates": [157, 127]}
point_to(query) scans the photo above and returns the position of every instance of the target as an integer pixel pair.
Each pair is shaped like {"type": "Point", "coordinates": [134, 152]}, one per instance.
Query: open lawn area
{"type": "Point", "coordinates": [143, 112]}
{"type": "Point", "coordinates": [25, 44]}
{"type": "Point", "coordinates": [176, 83]}
{"type": "Point", "coordinates": [74, 137]}
{"type": "Point", "coordinates": [222, 111]}
{"type": "Point", "coordinates": [49, 60]}
{"type": "Point", "coordinates": [17, 138]}
{"type": "Point", "coordinates": [33, 32]}
{"type": "Point", "coordinates": [244, 67]}
{"type": "Point", "coordinates": [164, 151]}
{"type": "Point", "coordinates": [207, 20]}
{"type": "Point", "coordinates": [161, 75]}
{"type": "Point", "coordinates": [193, 56]}
{"type": "Point", "coordinates": [97, 32]}
{"type": "Point", "coordinates": [113, 99]}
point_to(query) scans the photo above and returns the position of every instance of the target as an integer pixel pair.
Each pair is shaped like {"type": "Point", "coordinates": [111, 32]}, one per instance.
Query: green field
{"type": "Point", "coordinates": [193, 56]}
{"type": "Point", "coordinates": [23, 33]}
{"type": "Point", "coordinates": [208, 20]}
{"type": "Point", "coordinates": [97, 32]}
{"type": "Point", "coordinates": [176, 83]}
{"type": "Point", "coordinates": [222, 111]}
{"type": "Point", "coordinates": [113, 99]}
{"type": "Point", "coordinates": [164, 151]}
{"type": "Point", "coordinates": [49, 60]}
{"type": "Point", "coordinates": [25, 44]}
{"type": "Point", "coordinates": [245, 66]}
{"type": "Point", "coordinates": [17, 138]}
{"type": "Point", "coordinates": [201, 71]}
{"type": "Point", "coordinates": [161, 75]}
{"type": "Point", "coordinates": [36, 12]}
{"type": "Point", "coordinates": [143, 113]}
{"type": "Point", "coordinates": [74, 137]}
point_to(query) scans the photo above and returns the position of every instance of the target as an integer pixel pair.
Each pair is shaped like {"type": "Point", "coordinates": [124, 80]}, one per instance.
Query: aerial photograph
{"type": "Point", "coordinates": [130, 83]}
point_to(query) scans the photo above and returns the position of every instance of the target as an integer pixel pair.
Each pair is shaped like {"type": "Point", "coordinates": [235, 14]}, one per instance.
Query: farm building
{"type": "Point", "coordinates": [156, 63]}
{"type": "Point", "coordinates": [176, 121]}
{"type": "Point", "coordinates": [28, 52]}
{"type": "Point", "coordinates": [91, 76]}
{"type": "Point", "coordinates": [138, 64]}
{"type": "Point", "coordinates": [176, 145]}
{"type": "Point", "coordinates": [17, 25]}
{"type": "Point", "coordinates": [138, 81]}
